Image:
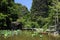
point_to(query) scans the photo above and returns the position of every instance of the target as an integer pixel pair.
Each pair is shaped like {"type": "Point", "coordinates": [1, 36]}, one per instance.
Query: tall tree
{"type": "Point", "coordinates": [40, 8]}
{"type": "Point", "coordinates": [10, 11]}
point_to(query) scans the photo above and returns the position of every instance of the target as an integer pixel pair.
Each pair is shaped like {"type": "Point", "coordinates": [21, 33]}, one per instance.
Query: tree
{"type": "Point", "coordinates": [40, 8]}
{"type": "Point", "coordinates": [10, 11]}
{"type": "Point", "coordinates": [2, 19]}
{"type": "Point", "coordinates": [39, 11]}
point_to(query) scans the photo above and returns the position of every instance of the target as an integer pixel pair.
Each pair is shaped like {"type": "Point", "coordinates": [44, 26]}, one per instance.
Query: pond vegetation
{"type": "Point", "coordinates": [25, 35]}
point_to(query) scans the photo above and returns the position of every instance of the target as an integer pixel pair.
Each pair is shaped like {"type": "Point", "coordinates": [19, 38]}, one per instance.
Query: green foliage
{"type": "Point", "coordinates": [40, 8]}
{"type": "Point", "coordinates": [54, 10]}
{"type": "Point", "coordinates": [39, 12]}
{"type": "Point", "coordinates": [2, 16]}
{"type": "Point", "coordinates": [41, 15]}
{"type": "Point", "coordinates": [2, 19]}
{"type": "Point", "coordinates": [44, 12]}
{"type": "Point", "coordinates": [11, 10]}
{"type": "Point", "coordinates": [8, 33]}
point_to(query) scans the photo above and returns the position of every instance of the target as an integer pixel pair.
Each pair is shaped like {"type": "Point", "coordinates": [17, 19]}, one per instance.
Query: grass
{"type": "Point", "coordinates": [27, 35]}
